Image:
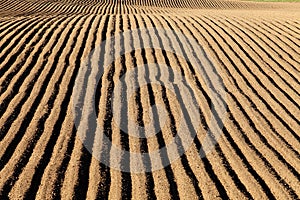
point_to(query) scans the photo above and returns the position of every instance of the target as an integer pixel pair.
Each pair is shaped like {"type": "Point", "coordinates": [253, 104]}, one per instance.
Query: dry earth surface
{"type": "Point", "coordinates": [254, 48]}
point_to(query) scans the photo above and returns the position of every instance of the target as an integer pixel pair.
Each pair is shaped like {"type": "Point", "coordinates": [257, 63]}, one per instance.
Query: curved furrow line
{"type": "Point", "coordinates": [41, 8]}
{"type": "Point", "coordinates": [57, 8]}
{"type": "Point", "coordinates": [184, 161]}
{"type": "Point", "coordinates": [81, 50]}
{"type": "Point", "coordinates": [47, 142]}
{"type": "Point", "coordinates": [60, 161]}
{"type": "Point", "coordinates": [77, 9]}
{"type": "Point", "coordinates": [54, 7]}
{"type": "Point", "coordinates": [106, 9]}
{"type": "Point", "coordinates": [258, 53]}
{"type": "Point", "coordinates": [99, 8]}
{"type": "Point", "coordinates": [231, 172]}
{"type": "Point", "coordinates": [11, 42]}
{"type": "Point", "coordinates": [260, 171]}
{"type": "Point", "coordinates": [239, 184]}
{"type": "Point", "coordinates": [265, 55]}
{"type": "Point", "coordinates": [24, 125]}
{"type": "Point", "coordinates": [103, 189]}
{"type": "Point", "coordinates": [123, 138]}
{"type": "Point", "coordinates": [11, 37]}
{"type": "Point", "coordinates": [137, 58]}
{"type": "Point", "coordinates": [209, 40]}
{"type": "Point", "coordinates": [8, 26]}
{"type": "Point", "coordinates": [278, 177]}
{"type": "Point", "coordinates": [285, 125]}
{"type": "Point", "coordinates": [31, 51]}
{"type": "Point", "coordinates": [23, 70]}
{"type": "Point", "coordinates": [116, 8]}
{"type": "Point", "coordinates": [271, 122]}
{"type": "Point", "coordinates": [282, 30]}
{"type": "Point", "coordinates": [12, 4]}
{"type": "Point", "coordinates": [185, 165]}
{"type": "Point", "coordinates": [132, 9]}
{"type": "Point", "coordinates": [292, 191]}
{"type": "Point", "coordinates": [30, 86]}
{"type": "Point", "coordinates": [120, 181]}
{"type": "Point", "coordinates": [122, 8]}
{"type": "Point", "coordinates": [273, 45]}
{"type": "Point", "coordinates": [4, 4]}
{"type": "Point", "coordinates": [43, 45]}
{"type": "Point", "coordinates": [256, 185]}
{"type": "Point", "coordinates": [213, 176]}
{"type": "Point", "coordinates": [127, 8]}
{"type": "Point", "coordinates": [93, 9]}
{"type": "Point", "coordinates": [169, 172]}
{"type": "Point", "coordinates": [133, 60]}
{"type": "Point", "coordinates": [60, 8]}
{"type": "Point", "coordinates": [66, 9]}
{"type": "Point", "coordinates": [140, 103]}
{"type": "Point", "coordinates": [78, 152]}
{"type": "Point", "coordinates": [285, 28]}
{"type": "Point", "coordinates": [269, 163]}
{"type": "Point", "coordinates": [160, 138]}
{"type": "Point", "coordinates": [273, 98]}
{"type": "Point", "coordinates": [73, 59]}
{"type": "Point", "coordinates": [111, 7]}
{"type": "Point", "coordinates": [272, 128]}
{"type": "Point", "coordinates": [291, 25]}
{"type": "Point", "coordinates": [48, 8]}
{"type": "Point", "coordinates": [24, 8]}
{"type": "Point", "coordinates": [54, 175]}
{"type": "Point", "coordinates": [240, 44]}
{"type": "Point", "coordinates": [278, 155]}
{"type": "Point", "coordinates": [265, 47]}
{"type": "Point", "coordinates": [8, 5]}
{"type": "Point", "coordinates": [74, 173]}
{"type": "Point", "coordinates": [8, 96]}
{"type": "Point", "coordinates": [245, 61]}
{"type": "Point", "coordinates": [291, 47]}
{"type": "Point", "coordinates": [34, 9]}
{"type": "Point", "coordinates": [143, 146]}
{"type": "Point", "coordinates": [171, 112]}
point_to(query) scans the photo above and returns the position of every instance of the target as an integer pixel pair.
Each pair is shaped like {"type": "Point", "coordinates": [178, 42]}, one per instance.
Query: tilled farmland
{"type": "Point", "coordinates": [173, 54]}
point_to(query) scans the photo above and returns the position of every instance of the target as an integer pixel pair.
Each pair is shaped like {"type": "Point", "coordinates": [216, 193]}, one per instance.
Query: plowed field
{"type": "Point", "coordinates": [254, 53]}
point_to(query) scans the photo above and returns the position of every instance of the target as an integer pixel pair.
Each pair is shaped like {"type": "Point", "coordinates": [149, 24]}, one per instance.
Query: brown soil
{"type": "Point", "coordinates": [254, 48]}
